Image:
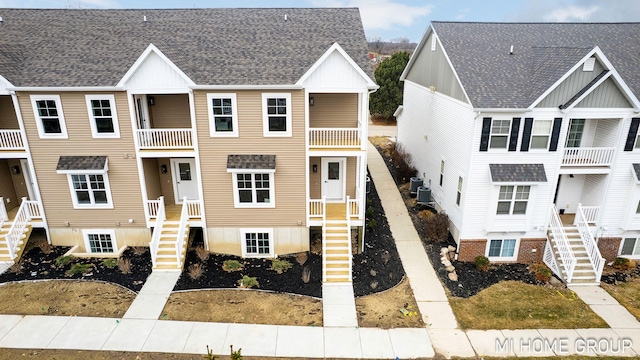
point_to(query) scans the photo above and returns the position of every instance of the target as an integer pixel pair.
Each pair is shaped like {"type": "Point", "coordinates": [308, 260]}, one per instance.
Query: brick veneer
{"type": "Point", "coordinates": [609, 247]}
{"type": "Point", "coordinates": [525, 253]}
{"type": "Point", "coordinates": [468, 249]}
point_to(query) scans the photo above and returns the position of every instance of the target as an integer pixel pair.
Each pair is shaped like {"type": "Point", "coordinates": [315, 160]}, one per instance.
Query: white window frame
{"type": "Point", "coordinates": [114, 116]}
{"type": "Point", "coordinates": [534, 135]}
{"type": "Point", "coordinates": [74, 197]}
{"type": "Point", "coordinates": [212, 118]}
{"type": "Point", "coordinates": [243, 234]}
{"type": "Point", "coordinates": [87, 243]}
{"type": "Point", "coordinates": [63, 125]}
{"type": "Point", "coordinates": [516, 249]}
{"type": "Point", "coordinates": [254, 204]}
{"type": "Point", "coordinates": [265, 115]}
{"type": "Point", "coordinates": [637, 145]}
{"type": "Point", "coordinates": [442, 167]}
{"type": "Point", "coordinates": [493, 135]}
{"type": "Point", "coordinates": [459, 191]}
{"type": "Point", "coordinates": [513, 199]}
{"type": "Point", "coordinates": [636, 247]}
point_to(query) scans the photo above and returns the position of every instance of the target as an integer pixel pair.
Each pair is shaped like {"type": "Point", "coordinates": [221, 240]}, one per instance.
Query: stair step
{"type": "Point", "coordinates": [338, 279]}
{"type": "Point", "coordinates": [336, 258]}
{"type": "Point", "coordinates": [337, 265]}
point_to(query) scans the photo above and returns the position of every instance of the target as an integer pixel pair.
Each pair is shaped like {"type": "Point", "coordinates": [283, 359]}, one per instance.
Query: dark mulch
{"type": "Point", "coordinates": [612, 276]}
{"type": "Point", "coordinates": [470, 280]}
{"type": "Point", "coordinates": [36, 265]}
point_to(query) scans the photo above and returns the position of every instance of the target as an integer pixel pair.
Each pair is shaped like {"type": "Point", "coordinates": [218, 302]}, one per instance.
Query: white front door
{"type": "Point", "coordinates": [333, 178]}
{"type": "Point", "coordinates": [142, 111]}
{"type": "Point", "coordinates": [28, 179]}
{"type": "Point", "coordinates": [185, 181]}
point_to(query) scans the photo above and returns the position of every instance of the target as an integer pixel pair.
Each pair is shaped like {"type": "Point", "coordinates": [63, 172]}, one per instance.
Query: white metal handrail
{"type": "Point", "coordinates": [316, 208]}
{"type": "Point", "coordinates": [11, 140]}
{"type": "Point", "coordinates": [157, 231]}
{"type": "Point", "coordinates": [16, 231]}
{"type": "Point", "coordinates": [182, 230]}
{"type": "Point", "coordinates": [567, 259]}
{"type": "Point", "coordinates": [588, 156]}
{"type": "Point", "coordinates": [589, 214]}
{"type": "Point", "coordinates": [152, 207]}
{"type": "Point", "coordinates": [597, 261]}
{"type": "Point", "coordinates": [193, 208]}
{"type": "Point", "coordinates": [35, 209]}
{"type": "Point", "coordinates": [335, 137]}
{"type": "Point", "coordinates": [3, 211]}
{"type": "Point", "coordinates": [165, 138]}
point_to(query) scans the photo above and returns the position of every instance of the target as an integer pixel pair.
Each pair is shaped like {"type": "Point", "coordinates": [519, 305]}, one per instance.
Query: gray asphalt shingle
{"type": "Point", "coordinates": [517, 173]}
{"type": "Point", "coordinates": [212, 46]}
{"type": "Point", "coordinates": [258, 162]}
{"type": "Point", "coordinates": [66, 163]}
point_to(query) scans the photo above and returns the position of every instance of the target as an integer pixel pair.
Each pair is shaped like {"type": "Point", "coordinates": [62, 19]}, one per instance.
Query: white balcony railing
{"type": "Point", "coordinates": [193, 208]}
{"type": "Point", "coordinates": [11, 140]}
{"type": "Point", "coordinates": [588, 214]}
{"type": "Point", "coordinates": [588, 156]}
{"type": "Point", "coordinates": [335, 138]}
{"type": "Point", "coordinates": [165, 138]}
{"type": "Point", "coordinates": [316, 208]}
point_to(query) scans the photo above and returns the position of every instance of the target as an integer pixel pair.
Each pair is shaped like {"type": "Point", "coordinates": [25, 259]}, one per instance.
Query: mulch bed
{"type": "Point", "coordinates": [470, 280]}
{"type": "Point", "coordinates": [612, 276]}
{"type": "Point", "coordinates": [36, 265]}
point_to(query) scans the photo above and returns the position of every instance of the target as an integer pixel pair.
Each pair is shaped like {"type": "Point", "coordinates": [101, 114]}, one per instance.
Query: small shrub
{"type": "Point", "coordinates": [209, 355]}
{"type": "Point", "coordinates": [370, 212]}
{"type": "Point", "coordinates": [482, 263]}
{"type": "Point", "coordinates": [139, 250]}
{"type": "Point", "coordinates": [79, 269]}
{"type": "Point", "coordinates": [45, 247]}
{"type": "Point", "coordinates": [124, 265]}
{"type": "Point", "coordinates": [426, 215]}
{"type": "Point", "coordinates": [63, 260]}
{"type": "Point", "coordinates": [248, 282]}
{"type": "Point", "coordinates": [541, 271]}
{"type": "Point", "coordinates": [373, 272]}
{"type": "Point", "coordinates": [401, 159]}
{"type": "Point", "coordinates": [231, 265]}
{"type": "Point", "coordinates": [16, 268]}
{"type": "Point", "coordinates": [202, 253]}
{"type": "Point", "coordinates": [280, 265]}
{"type": "Point", "coordinates": [110, 263]}
{"type": "Point", "coordinates": [437, 227]}
{"type": "Point", "coordinates": [236, 355]}
{"type": "Point", "coordinates": [195, 271]}
{"type": "Point", "coordinates": [301, 258]}
{"type": "Point", "coordinates": [373, 285]}
{"type": "Point", "coordinates": [306, 275]}
{"type": "Point", "coordinates": [371, 224]}
{"type": "Point", "coordinates": [623, 264]}
{"type": "Point", "coordinates": [386, 256]}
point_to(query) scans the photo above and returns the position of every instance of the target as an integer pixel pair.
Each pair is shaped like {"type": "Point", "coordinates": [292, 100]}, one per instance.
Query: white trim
{"type": "Point", "coordinates": [74, 197]}
{"type": "Point", "coordinates": [65, 88]}
{"type": "Point", "coordinates": [253, 204]}
{"type": "Point", "coordinates": [28, 180]}
{"type": "Point", "coordinates": [265, 115]}
{"type": "Point", "coordinates": [175, 172]}
{"type": "Point", "coordinates": [459, 190]}
{"type": "Point", "coordinates": [244, 231]}
{"type": "Point", "coordinates": [152, 48]}
{"type": "Point", "coordinates": [251, 170]}
{"type": "Point", "coordinates": [114, 115]}
{"type": "Point", "coordinates": [110, 232]}
{"type": "Point", "coordinates": [336, 47]}
{"type": "Point", "coordinates": [246, 87]}
{"type": "Point", "coordinates": [548, 135]}
{"type": "Point", "coordinates": [324, 161]}
{"type": "Point", "coordinates": [516, 249]}
{"type": "Point", "coordinates": [234, 115]}
{"type": "Point", "coordinates": [63, 125]}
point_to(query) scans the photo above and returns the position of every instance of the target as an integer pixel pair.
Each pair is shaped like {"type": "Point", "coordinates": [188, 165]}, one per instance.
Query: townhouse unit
{"type": "Point", "coordinates": [528, 136]}
{"type": "Point", "coordinates": [133, 127]}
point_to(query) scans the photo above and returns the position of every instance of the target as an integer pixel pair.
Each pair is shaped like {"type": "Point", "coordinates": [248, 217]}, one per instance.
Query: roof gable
{"type": "Point", "coordinates": [336, 70]}
{"type": "Point", "coordinates": [154, 71]}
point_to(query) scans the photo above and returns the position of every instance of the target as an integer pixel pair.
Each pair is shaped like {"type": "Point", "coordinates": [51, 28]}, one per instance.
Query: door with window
{"type": "Point", "coordinates": [333, 179]}
{"type": "Point", "coordinates": [184, 179]}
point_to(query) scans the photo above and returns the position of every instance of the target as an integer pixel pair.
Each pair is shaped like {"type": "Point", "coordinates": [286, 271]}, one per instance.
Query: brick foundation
{"type": "Point", "coordinates": [526, 255]}
{"type": "Point", "coordinates": [609, 247]}
{"type": "Point", "coordinates": [468, 249]}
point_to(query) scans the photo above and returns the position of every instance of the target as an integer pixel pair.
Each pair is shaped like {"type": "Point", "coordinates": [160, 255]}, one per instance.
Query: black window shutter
{"type": "Point", "coordinates": [633, 132]}
{"type": "Point", "coordinates": [555, 134]}
{"type": "Point", "coordinates": [513, 138]}
{"type": "Point", "coordinates": [526, 134]}
{"type": "Point", "coordinates": [486, 130]}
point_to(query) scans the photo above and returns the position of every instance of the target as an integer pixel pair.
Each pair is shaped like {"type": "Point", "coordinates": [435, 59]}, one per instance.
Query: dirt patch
{"type": "Point", "coordinates": [12, 354]}
{"type": "Point", "coordinates": [243, 306]}
{"type": "Point", "coordinates": [65, 298]}
{"type": "Point", "coordinates": [381, 120]}
{"type": "Point", "coordinates": [394, 308]}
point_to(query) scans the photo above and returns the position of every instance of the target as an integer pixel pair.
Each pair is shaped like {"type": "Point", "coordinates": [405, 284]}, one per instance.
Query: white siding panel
{"type": "Point", "coordinates": [606, 133]}
{"type": "Point", "coordinates": [155, 73]}
{"type": "Point", "coordinates": [335, 73]}
{"type": "Point", "coordinates": [593, 189]}
{"type": "Point", "coordinates": [570, 192]}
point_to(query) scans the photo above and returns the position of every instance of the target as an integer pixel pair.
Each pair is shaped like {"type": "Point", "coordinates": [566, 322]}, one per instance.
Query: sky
{"type": "Point", "coordinates": [392, 20]}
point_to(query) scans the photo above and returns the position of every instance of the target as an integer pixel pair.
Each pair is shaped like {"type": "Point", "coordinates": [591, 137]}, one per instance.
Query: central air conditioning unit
{"type": "Point", "coordinates": [414, 184]}
{"type": "Point", "coordinates": [424, 195]}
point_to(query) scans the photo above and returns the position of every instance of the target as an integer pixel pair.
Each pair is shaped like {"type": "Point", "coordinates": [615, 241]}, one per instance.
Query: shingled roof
{"type": "Point", "coordinates": [66, 48]}
{"type": "Point", "coordinates": [542, 53]}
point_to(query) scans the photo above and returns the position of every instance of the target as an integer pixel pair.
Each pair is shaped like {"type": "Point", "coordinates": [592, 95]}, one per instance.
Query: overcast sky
{"type": "Point", "coordinates": [392, 19]}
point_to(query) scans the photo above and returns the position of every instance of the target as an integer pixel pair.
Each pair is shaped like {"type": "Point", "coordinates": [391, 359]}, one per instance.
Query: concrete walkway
{"type": "Point", "coordinates": [608, 308]}
{"type": "Point", "coordinates": [153, 296]}
{"type": "Point", "coordinates": [338, 305]}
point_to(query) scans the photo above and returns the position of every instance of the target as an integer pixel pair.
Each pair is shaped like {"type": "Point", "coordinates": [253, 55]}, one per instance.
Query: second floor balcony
{"type": "Point", "coordinates": [165, 139]}
{"type": "Point", "coordinates": [588, 156]}
{"type": "Point", "coordinates": [335, 138]}
{"type": "Point", "coordinates": [11, 140]}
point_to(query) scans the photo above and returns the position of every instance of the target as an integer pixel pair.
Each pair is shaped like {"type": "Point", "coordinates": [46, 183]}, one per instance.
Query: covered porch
{"type": "Point", "coordinates": [163, 122]}
{"type": "Point", "coordinates": [336, 122]}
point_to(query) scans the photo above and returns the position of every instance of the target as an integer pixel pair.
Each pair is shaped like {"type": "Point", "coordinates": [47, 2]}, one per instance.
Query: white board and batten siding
{"type": "Point", "coordinates": [437, 127]}
{"type": "Point", "coordinates": [335, 73]}
{"type": "Point", "coordinates": [156, 73]}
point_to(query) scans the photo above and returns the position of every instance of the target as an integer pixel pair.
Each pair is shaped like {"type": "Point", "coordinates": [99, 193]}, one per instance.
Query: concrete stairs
{"type": "Point", "coordinates": [584, 273]}
{"type": "Point", "coordinates": [337, 244]}
{"type": "Point", "coordinates": [169, 258]}
{"type": "Point", "coordinates": [4, 250]}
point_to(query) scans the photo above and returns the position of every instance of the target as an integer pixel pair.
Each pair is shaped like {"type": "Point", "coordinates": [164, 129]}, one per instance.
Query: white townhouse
{"type": "Point", "coordinates": [528, 136]}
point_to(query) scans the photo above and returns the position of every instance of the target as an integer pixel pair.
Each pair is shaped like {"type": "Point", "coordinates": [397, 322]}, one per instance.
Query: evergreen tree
{"type": "Point", "coordinates": [386, 100]}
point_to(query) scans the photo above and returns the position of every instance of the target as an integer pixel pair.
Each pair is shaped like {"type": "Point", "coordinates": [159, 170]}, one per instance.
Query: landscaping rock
{"type": "Point", "coordinates": [453, 276]}
{"type": "Point", "coordinates": [451, 248]}
{"type": "Point", "coordinates": [446, 263]}
{"type": "Point", "coordinates": [450, 268]}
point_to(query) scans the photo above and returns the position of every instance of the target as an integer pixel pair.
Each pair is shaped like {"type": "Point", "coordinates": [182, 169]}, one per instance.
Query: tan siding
{"type": "Point", "coordinates": [18, 179]}
{"type": "Point", "coordinates": [166, 182]}
{"type": "Point", "coordinates": [8, 118]}
{"type": "Point", "coordinates": [170, 111]}
{"type": "Point", "coordinates": [124, 181]}
{"type": "Point", "coordinates": [334, 111]}
{"type": "Point", "coordinates": [290, 164]}
{"type": "Point", "coordinates": [152, 178]}
{"type": "Point", "coordinates": [351, 177]}
{"type": "Point", "coordinates": [7, 191]}
{"type": "Point", "coordinates": [315, 179]}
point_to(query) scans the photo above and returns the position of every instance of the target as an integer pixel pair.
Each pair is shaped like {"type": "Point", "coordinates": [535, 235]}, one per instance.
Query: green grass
{"type": "Point", "coordinates": [627, 294]}
{"type": "Point", "coordinates": [515, 305]}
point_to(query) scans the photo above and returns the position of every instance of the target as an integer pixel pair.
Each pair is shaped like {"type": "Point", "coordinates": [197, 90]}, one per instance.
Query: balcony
{"type": "Point", "coordinates": [335, 138]}
{"type": "Point", "coordinates": [588, 156]}
{"type": "Point", "coordinates": [165, 139]}
{"type": "Point", "coordinates": [11, 140]}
